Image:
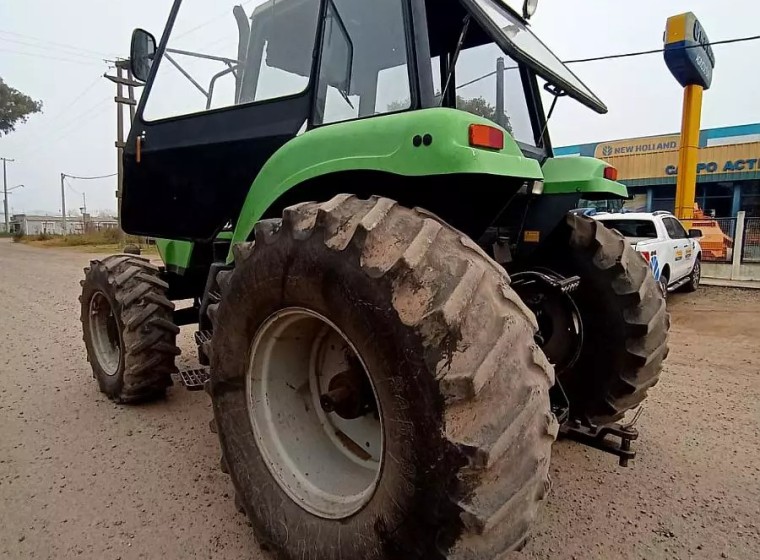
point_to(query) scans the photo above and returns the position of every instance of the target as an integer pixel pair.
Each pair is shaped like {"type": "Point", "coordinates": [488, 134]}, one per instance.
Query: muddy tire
{"type": "Point", "coordinates": [625, 322]}
{"type": "Point", "coordinates": [128, 330]}
{"type": "Point", "coordinates": [460, 387]}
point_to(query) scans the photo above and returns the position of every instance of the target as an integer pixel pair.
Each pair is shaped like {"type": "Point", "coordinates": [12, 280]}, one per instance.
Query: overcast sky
{"type": "Point", "coordinates": [53, 51]}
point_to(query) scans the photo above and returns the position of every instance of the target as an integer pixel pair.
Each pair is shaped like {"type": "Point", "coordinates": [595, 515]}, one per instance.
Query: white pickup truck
{"type": "Point", "coordinates": [673, 254]}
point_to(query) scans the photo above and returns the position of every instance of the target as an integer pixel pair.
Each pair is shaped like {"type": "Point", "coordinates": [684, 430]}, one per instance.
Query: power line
{"type": "Point", "coordinates": [53, 43]}
{"type": "Point", "coordinates": [205, 23]}
{"type": "Point", "coordinates": [57, 115]}
{"type": "Point", "coordinates": [47, 57]}
{"type": "Point", "coordinates": [616, 56]}
{"type": "Point", "coordinates": [655, 51]}
{"type": "Point", "coordinates": [48, 49]}
{"type": "Point", "coordinates": [80, 118]}
{"type": "Point", "coordinates": [89, 178]}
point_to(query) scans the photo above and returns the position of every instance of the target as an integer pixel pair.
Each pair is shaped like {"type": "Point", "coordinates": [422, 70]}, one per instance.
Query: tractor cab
{"type": "Point", "coordinates": [226, 90]}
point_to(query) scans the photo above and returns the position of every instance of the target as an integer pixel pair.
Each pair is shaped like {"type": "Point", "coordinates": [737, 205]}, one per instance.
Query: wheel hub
{"type": "Point", "coordinates": [560, 329]}
{"type": "Point", "coordinates": [104, 329]}
{"type": "Point", "coordinates": [314, 413]}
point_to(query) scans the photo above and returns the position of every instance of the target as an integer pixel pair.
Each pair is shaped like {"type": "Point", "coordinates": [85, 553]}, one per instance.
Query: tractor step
{"type": "Point", "coordinates": [202, 337]}
{"type": "Point", "coordinates": [194, 379]}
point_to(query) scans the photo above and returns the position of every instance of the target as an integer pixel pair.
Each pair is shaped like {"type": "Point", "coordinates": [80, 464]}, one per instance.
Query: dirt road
{"type": "Point", "coordinates": [83, 478]}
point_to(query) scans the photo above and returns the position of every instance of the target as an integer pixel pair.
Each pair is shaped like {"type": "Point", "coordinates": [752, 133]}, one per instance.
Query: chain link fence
{"type": "Point", "coordinates": [751, 248]}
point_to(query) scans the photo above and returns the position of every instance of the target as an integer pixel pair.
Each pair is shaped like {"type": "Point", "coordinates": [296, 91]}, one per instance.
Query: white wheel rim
{"type": "Point", "coordinates": [328, 465]}
{"type": "Point", "coordinates": [104, 334]}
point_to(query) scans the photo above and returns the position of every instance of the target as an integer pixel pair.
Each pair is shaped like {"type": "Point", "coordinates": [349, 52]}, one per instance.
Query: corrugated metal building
{"type": "Point", "coordinates": [53, 225]}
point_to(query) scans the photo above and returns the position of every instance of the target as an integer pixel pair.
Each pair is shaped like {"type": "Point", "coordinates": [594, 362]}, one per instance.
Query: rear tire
{"type": "Point", "coordinates": [128, 330]}
{"type": "Point", "coordinates": [625, 322]}
{"type": "Point", "coordinates": [663, 284]}
{"type": "Point", "coordinates": [461, 387]}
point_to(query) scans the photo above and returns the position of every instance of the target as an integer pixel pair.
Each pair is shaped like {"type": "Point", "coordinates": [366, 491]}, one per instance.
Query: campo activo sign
{"type": "Point", "coordinates": [729, 166]}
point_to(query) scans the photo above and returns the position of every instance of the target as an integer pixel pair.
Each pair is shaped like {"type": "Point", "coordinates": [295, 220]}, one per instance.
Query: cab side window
{"type": "Point", "coordinates": [363, 67]}
{"type": "Point", "coordinates": [674, 228]}
{"type": "Point", "coordinates": [228, 52]}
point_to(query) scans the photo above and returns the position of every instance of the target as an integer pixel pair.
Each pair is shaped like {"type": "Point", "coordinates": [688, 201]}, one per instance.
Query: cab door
{"type": "Point", "coordinates": [683, 250]}
{"type": "Point", "coordinates": [216, 106]}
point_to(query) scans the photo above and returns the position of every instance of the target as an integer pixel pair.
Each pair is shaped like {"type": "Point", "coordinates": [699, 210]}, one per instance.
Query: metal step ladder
{"type": "Point", "coordinates": [195, 379]}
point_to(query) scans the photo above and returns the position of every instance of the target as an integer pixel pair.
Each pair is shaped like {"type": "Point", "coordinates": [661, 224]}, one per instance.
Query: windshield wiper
{"type": "Point", "coordinates": [453, 61]}
{"type": "Point", "coordinates": [557, 92]}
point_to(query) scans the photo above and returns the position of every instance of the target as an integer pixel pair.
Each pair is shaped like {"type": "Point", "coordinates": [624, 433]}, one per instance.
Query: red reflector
{"type": "Point", "coordinates": [610, 173]}
{"type": "Point", "coordinates": [645, 254]}
{"type": "Point", "coordinates": [484, 136]}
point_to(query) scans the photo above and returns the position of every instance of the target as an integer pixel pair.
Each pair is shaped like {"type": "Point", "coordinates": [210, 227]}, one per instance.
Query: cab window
{"type": "Point", "coordinates": [633, 228]}
{"type": "Point", "coordinates": [478, 91]}
{"type": "Point", "coordinates": [674, 228]}
{"type": "Point", "coordinates": [231, 54]}
{"type": "Point", "coordinates": [363, 69]}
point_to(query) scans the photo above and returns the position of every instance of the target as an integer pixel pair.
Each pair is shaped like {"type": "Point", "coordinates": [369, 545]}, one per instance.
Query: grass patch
{"type": "Point", "coordinates": [105, 241]}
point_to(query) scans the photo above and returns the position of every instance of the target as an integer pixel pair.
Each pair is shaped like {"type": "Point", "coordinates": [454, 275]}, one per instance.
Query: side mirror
{"type": "Point", "coordinates": [141, 53]}
{"type": "Point", "coordinates": [695, 233]}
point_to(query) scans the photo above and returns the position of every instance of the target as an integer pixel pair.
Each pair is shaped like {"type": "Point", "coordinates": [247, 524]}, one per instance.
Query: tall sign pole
{"type": "Point", "coordinates": [690, 59]}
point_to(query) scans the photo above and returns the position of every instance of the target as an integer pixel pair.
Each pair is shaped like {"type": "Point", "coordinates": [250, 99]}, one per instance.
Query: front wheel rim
{"type": "Point", "coordinates": [105, 334]}
{"type": "Point", "coordinates": [327, 464]}
{"type": "Point", "coordinates": [697, 275]}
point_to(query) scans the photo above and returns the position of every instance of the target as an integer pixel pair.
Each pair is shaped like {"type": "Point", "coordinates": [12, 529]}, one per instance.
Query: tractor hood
{"type": "Point", "coordinates": [512, 34]}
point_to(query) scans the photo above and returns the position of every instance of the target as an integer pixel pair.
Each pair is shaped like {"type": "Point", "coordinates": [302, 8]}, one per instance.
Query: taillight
{"type": "Point", "coordinates": [611, 173]}
{"type": "Point", "coordinates": [484, 136]}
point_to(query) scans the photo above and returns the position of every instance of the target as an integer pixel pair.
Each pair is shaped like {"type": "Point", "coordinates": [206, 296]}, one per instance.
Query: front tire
{"type": "Point", "coordinates": [128, 330]}
{"type": "Point", "coordinates": [460, 389]}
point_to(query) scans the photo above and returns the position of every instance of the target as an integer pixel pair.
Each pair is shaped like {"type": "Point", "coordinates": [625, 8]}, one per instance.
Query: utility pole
{"type": "Point", "coordinates": [500, 120]}
{"type": "Point", "coordinates": [5, 192]}
{"type": "Point", "coordinates": [123, 78]}
{"type": "Point", "coordinates": [84, 213]}
{"type": "Point", "coordinates": [63, 203]}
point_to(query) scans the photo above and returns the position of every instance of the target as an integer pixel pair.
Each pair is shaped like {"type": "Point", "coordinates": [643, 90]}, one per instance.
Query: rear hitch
{"type": "Point", "coordinates": [604, 437]}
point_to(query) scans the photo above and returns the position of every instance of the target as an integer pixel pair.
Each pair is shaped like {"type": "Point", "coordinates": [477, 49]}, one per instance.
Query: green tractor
{"type": "Point", "coordinates": [357, 204]}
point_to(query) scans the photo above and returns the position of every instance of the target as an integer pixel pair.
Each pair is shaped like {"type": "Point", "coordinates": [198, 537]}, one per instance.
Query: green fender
{"type": "Point", "coordinates": [175, 254]}
{"type": "Point", "coordinates": [381, 144]}
{"type": "Point", "coordinates": [579, 175]}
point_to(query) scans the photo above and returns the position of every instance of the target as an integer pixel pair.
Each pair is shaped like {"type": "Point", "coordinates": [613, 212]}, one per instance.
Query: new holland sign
{"type": "Point", "coordinates": [638, 146]}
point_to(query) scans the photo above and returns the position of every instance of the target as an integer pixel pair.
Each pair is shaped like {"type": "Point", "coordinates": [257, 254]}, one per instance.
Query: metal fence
{"type": "Point", "coordinates": [717, 243]}
{"type": "Point", "coordinates": [751, 244]}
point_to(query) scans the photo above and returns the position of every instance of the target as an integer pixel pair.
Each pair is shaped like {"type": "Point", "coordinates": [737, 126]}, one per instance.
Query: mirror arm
{"type": "Point", "coordinates": [185, 74]}
{"type": "Point", "coordinates": [201, 55]}
{"type": "Point", "coordinates": [212, 83]}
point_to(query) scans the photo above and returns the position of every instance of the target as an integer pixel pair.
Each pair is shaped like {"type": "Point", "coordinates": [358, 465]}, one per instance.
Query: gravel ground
{"type": "Point", "coordinates": [83, 478]}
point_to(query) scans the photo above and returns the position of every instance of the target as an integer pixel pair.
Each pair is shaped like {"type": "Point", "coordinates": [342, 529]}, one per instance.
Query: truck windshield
{"type": "Point", "coordinates": [519, 42]}
{"type": "Point", "coordinates": [633, 228]}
